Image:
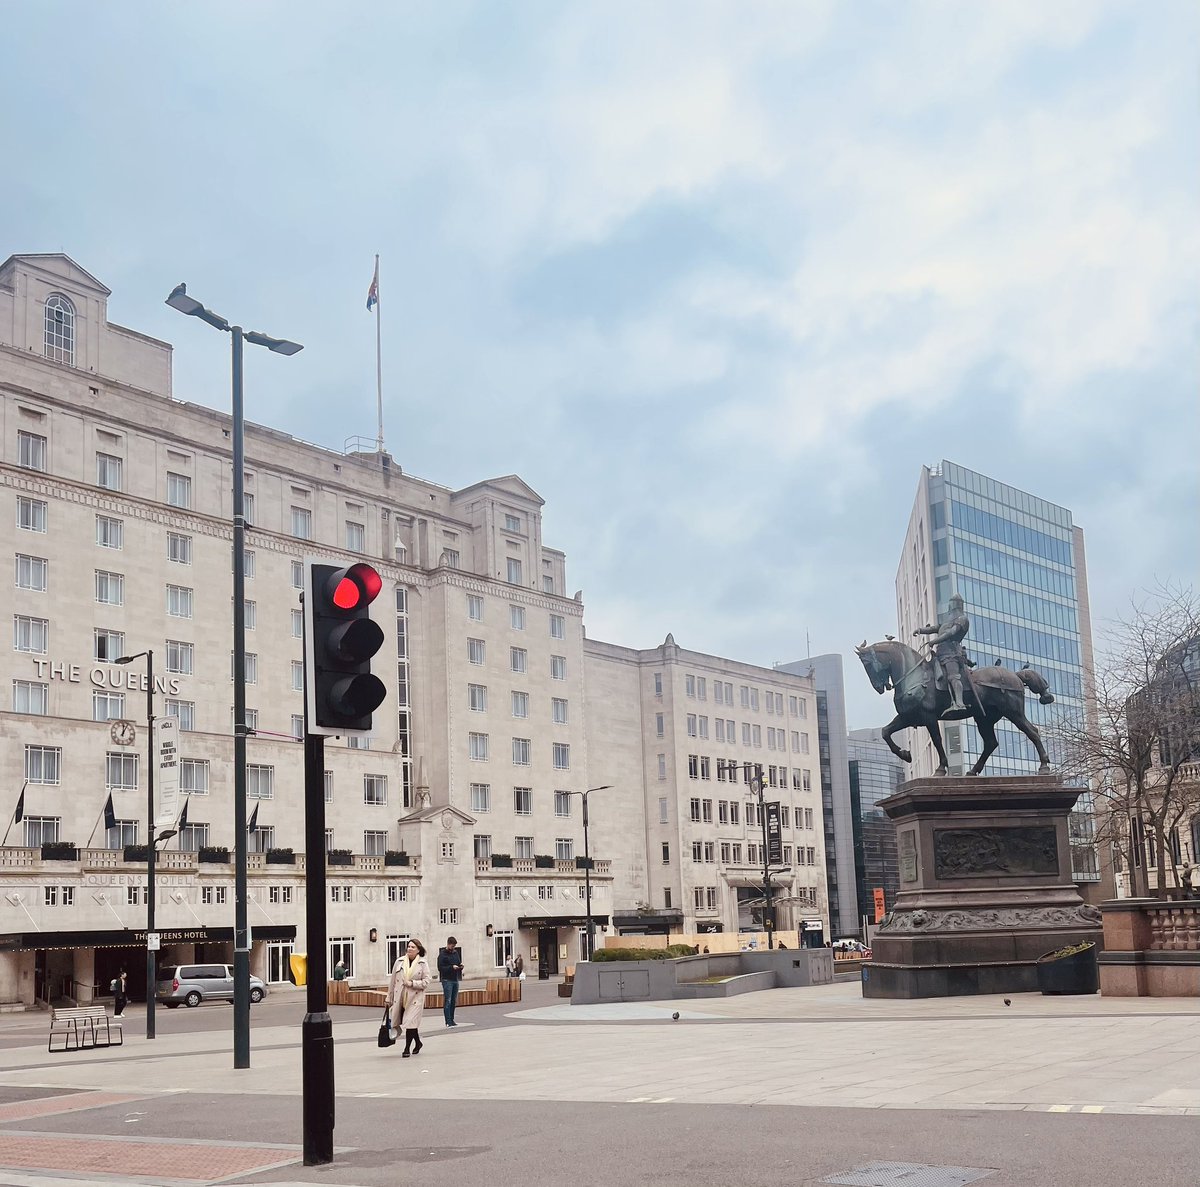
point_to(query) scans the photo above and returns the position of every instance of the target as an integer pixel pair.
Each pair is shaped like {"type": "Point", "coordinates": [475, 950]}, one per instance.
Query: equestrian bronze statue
{"type": "Point", "coordinates": [944, 688]}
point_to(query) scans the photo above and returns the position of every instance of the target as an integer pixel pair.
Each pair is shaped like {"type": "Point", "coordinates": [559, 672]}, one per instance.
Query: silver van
{"type": "Point", "coordinates": [191, 984]}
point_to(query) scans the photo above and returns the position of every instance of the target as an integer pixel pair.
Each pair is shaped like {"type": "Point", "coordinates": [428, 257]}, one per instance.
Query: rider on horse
{"type": "Point", "coordinates": [950, 653]}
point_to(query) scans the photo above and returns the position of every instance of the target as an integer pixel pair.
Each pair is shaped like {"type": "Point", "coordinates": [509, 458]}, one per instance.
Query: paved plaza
{"type": "Point", "coordinates": [790, 1081]}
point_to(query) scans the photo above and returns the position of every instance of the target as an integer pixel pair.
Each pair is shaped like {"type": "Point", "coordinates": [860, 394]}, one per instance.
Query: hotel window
{"type": "Point", "coordinates": [693, 766]}
{"type": "Point", "coordinates": [482, 846]}
{"type": "Point", "coordinates": [512, 523]}
{"type": "Point", "coordinates": [250, 668]}
{"type": "Point", "coordinates": [398, 894]}
{"type": "Point", "coordinates": [558, 710]}
{"type": "Point", "coordinates": [108, 471]}
{"type": "Point", "coordinates": [43, 764]}
{"type": "Point", "coordinates": [547, 583]}
{"type": "Point", "coordinates": [108, 645]}
{"type": "Point", "coordinates": [298, 726]}
{"type": "Point", "coordinates": [562, 803]}
{"type": "Point", "coordinates": [30, 634]}
{"type": "Point", "coordinates": [517, 657]}
{"type": "Point", "coordinates": [516, 617]}
{"type": "Point", "coordinates": [545, 891]}
{"type": "Point", "coordinates": [659, 725]}
{"type": "Point", "coordinates": [41, 830]}
{"type": "Point", "coordinates": [745, 733]}
{"type": "Point", "coordinates": [803, 743]}
{"type": "Point", "coordinates": [358, 742]}
{"type": "Point", "coordinates": [179, 657]}
{"type": "Point", "coordinates": [523, 847]}
{"type": "Point", "coordinates": [694, 809]}
{"type": "Point", "coordinates": [453, 558]}
{"type": "Point", "coordinates": [475, 651]}
{"type": "Point", "coordinates": [658, 684]}
{"type": "Point", "coordinates": [704, 727]}
{"type": "Point", "coordinates": [697, 851]}
{"type": "Point", "coordinates": [356, 536]}
{"type": "Point", "coordinates": [520, 752]}
{"type": "Point", "coordinates": [448, 915]}
{"type": "Point", "coordinates": [481, 797]}
{"type": "Point", "coordinates": [558, 667]}
{"type": "Point", "coordinates": [757, 732]}
{"type": "Point", "coordinates": [107, 706]}
{"type": "Point", "coordinates": [666, 853]}
{"type": "Point", "coordinates": [193, 776]}
{"type": "Point", "coordinates": [260, 782]}
{"type": "Point", "coordinates": [662, 766]}
{"type": "Point", "coordinates": [120, 771]}
{"type": "Point", "coordinates": [179, 490]}
{"type": "Point", "coordinates": [514, 571]}
{"type": "Point", "coordinates": [722, 811]}
{"type": "Point", "coordinates": [297, 574]}
{"type": "Point", "coordinates": [564, 849]}
{"type": "Point", "coordinates": [58, 332]}
{"type": "Point", "coordinates": [720, 733]}
{"type": "Point", "coordinates": [710, 851]}
{"type": "Point", "coordinates": [249, 614]}
{"type": "Point", "coordinates": [520, 704]}
{"type": "Point", "coordinates": [734, 812]}
{"type": "Point", "coordinates": [691, 725]}
{"type": "Point", "coordinates": [110, 532]}
{"type": "Point", "coordinates": [179, 601]}
{"type": "Point", "coordinates": [297, 670]}
{"type": "Point", "coordinates": [31, 514]}
{"type": "Point", "coordinates": [475, 607]}
{"type": "Point", "coordinates": [807, 779]}
{"type": "Point", "coordinates": [503, 894]}
{"type": "Point", "coordinates": [248, 506]}
{"type": "Point", "coordinates": [374, 842]}
{"type": "Point", "coordinates": [557, 626]}
{"type": "Point", "coordinates": [477, 747]}
{"type": "Point", "coordinates": [328, 781]}
{"type": "Point", "coordinates": [302, 523]}
{"type": "Point", "coordinates": [523, 801]}
{"type": "Point", "coordinates": [477, 698]}
{"type": "Point", "coordinates": [297, 624]}
{"type": "Point", "coordinates": [29, 696]}
{"type": "Point", "coordinates": [31, 450]}
{"type": "Point", "coordinates": [110, 588]}
{"type": "Point", "coordinates": [31, 572]}
{"type": "Point", "coordinates": [562, 756]}
{"type": "Point", "coordinates": [249, 564]}
{"type": "Point", "coordinates": [375, 789]}
{"type": "Point", "coordinates": [808, 818]}
{"type": "Point", "coordinates": [179, 548]}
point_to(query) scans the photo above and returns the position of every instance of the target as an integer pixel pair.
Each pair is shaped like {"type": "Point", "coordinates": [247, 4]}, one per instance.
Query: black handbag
{"type": "Point", "coordinates": [386, 1038]}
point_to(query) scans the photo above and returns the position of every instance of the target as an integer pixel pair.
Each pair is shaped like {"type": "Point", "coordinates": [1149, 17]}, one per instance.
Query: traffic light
{"type": "Point", "coordinates": [340, 640]}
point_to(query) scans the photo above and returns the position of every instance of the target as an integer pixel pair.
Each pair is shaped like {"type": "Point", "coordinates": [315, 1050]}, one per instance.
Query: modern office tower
{"type": "Point", "coordinates": [1018, 562]}
{"type": "Point", "coordinates": [671, 722]}
{"type": "Point", "coordinates": [827, 677]}
{"type": "Point", "coordinates": [874, 774]}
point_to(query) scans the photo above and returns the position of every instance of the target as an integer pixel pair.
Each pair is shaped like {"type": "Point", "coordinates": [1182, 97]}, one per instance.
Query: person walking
{"type": "Point", "coordinates": [118, 992]}
{"type": "Point", "coordinates": [450, 969]}
{"type": "Point", "coordinates": [406, 995]}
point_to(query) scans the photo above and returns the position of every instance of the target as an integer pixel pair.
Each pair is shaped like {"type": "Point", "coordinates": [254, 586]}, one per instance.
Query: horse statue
{"type": "Point", "coordinates": [995, 693]}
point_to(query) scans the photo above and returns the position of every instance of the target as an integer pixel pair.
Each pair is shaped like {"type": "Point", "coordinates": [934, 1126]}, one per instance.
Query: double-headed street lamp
{"type": "Point", "coordinates": [753, 774]}
{"type": "Point", "coordinates": [590, 944]}
{"type": "Point", "coordinates": [150, 837]}
{"type": "Point", "coordinates": [180, 300]}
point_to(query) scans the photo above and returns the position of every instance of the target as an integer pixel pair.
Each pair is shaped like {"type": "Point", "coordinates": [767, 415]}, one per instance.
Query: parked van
{"type": "Point", "coordinates": [191, 984]}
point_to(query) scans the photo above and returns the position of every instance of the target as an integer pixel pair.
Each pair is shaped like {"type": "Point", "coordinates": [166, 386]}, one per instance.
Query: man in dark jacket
{"type": "Point", "coordinates": [450, 968]}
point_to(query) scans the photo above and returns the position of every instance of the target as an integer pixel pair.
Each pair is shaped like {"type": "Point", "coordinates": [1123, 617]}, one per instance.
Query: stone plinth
{"type": "Point", "coordinates": [985, 887]}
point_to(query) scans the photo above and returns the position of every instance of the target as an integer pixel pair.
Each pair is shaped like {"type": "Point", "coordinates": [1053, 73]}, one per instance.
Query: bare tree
{"type": "Point", "coordinates": [1139, 750]}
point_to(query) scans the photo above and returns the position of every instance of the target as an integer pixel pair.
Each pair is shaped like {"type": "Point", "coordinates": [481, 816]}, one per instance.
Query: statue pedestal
{"type": "Point", "coordinates": [985, 887]}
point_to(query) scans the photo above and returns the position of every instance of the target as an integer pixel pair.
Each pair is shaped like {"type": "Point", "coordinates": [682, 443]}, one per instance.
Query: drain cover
{"type": "Point", "coordinates": [908, 1174]}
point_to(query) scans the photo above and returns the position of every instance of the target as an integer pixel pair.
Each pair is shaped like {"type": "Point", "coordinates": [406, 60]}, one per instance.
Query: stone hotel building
{"type": "Point", "coordinates": [459, 814]}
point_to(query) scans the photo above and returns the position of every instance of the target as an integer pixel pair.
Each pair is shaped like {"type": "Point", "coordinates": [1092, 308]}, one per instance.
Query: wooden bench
{"type": "Point", "coordinates": [84, 1026]}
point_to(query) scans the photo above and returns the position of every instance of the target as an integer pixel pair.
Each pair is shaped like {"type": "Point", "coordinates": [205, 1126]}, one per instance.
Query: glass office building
{"type": "Point", "coordinates": [1018, 562]}
{"type": "Point", "coordinates": [875, 773]}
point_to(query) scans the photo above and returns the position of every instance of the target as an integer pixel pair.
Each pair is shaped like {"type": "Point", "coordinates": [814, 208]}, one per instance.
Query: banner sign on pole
{"type": "Point", "coordinates": [880, 906]}
{"type": "Point", "coordinates": [166, 774]}
{"type": "Point", "coordinates": [774, 835]}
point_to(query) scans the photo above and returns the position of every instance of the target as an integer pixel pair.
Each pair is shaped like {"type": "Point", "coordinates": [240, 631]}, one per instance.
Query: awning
{"type": "Point", "coordinates": [136, 937]}
{"type": "Point", "coordinates": [532, 922]}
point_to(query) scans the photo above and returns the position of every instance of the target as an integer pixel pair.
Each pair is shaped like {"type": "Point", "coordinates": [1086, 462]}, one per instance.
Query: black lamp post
{"type": "Point", "coordinates": [150, 837]}
{"type": "Point", "coordinates": [753, 775]}
{"type": "Point", "coordinates": [590, 945]}
{"type": "Point", "coordinates": [180, 300]}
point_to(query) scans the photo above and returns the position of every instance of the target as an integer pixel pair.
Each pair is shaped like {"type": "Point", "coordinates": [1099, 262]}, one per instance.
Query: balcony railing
{"type": "Point", "coordinates": [601, 867]}
{"type": "Point", "coordinates": [21, 857]}
{"type": "Point", "coordinates": [1174, 927]}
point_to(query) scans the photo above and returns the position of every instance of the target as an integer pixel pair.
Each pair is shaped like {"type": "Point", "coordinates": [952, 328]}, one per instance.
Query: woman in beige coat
{"type": "Point", "coordinates": [406, 995]}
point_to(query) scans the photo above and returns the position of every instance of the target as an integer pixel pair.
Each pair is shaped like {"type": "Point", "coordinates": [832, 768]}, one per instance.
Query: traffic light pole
{"type": "Point", "coordinates": [316, 1032]}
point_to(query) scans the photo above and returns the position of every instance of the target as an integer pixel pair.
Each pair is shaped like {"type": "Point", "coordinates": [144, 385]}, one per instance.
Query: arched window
{"type": "Point", "coordinates": [59, 338]}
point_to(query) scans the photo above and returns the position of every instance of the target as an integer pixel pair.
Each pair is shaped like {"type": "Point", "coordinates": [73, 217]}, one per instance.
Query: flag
{"type": "Point", "coordinates": [373, 291]}
{"type": "Point", "coordinates": [110, 816]}
{"type": "Point", "coordinates": [183, 817]}
{"type": "Point", "coordinates": [19, 815]}
{"type": "Point", "coordinates": [253, 819]}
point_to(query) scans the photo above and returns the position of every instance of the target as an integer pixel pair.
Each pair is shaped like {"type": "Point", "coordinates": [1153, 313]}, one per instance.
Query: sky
{"type": "Point", "coordinates": [716, 280]}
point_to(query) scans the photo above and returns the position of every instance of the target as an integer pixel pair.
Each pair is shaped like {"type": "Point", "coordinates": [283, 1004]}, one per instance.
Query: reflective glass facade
{"type": "Point", "coordinates": [875, 773]}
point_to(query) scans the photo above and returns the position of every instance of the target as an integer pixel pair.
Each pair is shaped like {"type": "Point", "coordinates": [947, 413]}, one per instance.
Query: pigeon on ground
{"type": "Point", "coordinates": [1008, 1001]}
{"type": "Point", "coordinates": [675, 1016]}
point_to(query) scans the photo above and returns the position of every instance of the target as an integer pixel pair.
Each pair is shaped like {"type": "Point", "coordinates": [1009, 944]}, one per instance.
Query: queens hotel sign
{"type": "Point", "coordinates": [104, 677]}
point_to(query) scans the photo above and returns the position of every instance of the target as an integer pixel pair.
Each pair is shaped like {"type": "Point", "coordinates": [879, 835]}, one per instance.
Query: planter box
{"type": "Point", "coordinates": [137, 852]}
{"type": "Point", "coordinates": [213, 854]}
{"type": "Point", "coordinates": [281, 857]}
{"type": "Point", "coordinates": [1076, 973]}
{"type": "Point", "coordinates": [339, 857]}
{"type": "Point", "coordinates": [393, 858]}
{"type": "Point", "coordinates": [59, 851]}
{"type": "Point", "coordinates": [501, 861]}
{"type": "Point", "coordinates": [542, 862]}
{"type": "Point", "coordinates": [585, 863]}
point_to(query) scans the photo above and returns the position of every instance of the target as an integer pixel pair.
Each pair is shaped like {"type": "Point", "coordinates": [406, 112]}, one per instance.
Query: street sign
{"type": "Point", "coordinates": [774, 835]}
{"type": "Point", "coordinates": [166, 773]}
{"type": "Point", "coordinates": [153, 941]}
{"type": "Point", "coordinates": [880, 905]}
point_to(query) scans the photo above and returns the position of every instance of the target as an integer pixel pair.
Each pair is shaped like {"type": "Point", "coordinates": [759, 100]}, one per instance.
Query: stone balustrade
{"type": "Point", "coordinates": [1151, 948]}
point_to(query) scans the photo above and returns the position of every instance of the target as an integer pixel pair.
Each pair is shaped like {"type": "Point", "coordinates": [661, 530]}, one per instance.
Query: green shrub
{"type": "Point", "coordinates": [669, 953]}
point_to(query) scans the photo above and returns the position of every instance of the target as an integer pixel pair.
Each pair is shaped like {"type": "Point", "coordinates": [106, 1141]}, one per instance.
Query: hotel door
{"type": "Point", "coordinates": [547, 953]}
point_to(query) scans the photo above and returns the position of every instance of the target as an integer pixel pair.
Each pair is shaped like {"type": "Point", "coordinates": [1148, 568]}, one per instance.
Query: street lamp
{"type": "Point", "coordinates": [753, 774]}
{"type": "Point", "coordinates": [590, 944]}
{"type": "Point", "coordinates": [180, 300]}
{"type": "Point", "coordinates": [150, 838]}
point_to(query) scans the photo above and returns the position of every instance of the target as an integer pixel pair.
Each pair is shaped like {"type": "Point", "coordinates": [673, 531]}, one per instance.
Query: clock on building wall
{"type": "Point", "coordinates": [123, 733]}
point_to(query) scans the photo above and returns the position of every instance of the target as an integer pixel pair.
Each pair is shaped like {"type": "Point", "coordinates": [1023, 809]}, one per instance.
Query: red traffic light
{"type": "Point", "coordinates": [355, 587]}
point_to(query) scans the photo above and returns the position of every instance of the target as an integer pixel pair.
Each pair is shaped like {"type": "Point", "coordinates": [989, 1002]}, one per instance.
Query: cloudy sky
{"type": "Point", "coordinates": [715, 279]}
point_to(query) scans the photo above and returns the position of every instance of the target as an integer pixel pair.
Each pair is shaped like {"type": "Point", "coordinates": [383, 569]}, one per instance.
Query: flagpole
{"type": "Point", "coordinates": [378, 362]}
{"type": "Point", "coordinates": [20, 807]}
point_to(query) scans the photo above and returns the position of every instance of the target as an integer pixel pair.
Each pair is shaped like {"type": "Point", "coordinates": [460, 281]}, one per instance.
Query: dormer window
{"type": "Point", "coordinates": [59, 337]}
